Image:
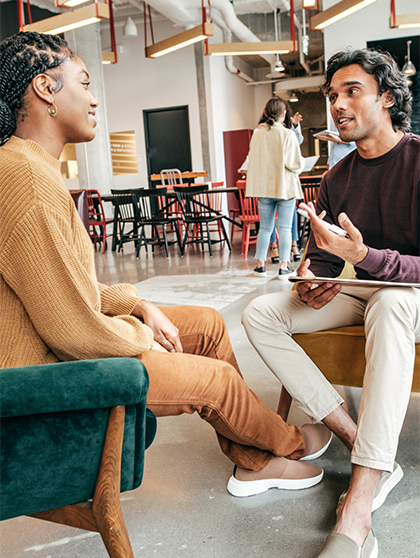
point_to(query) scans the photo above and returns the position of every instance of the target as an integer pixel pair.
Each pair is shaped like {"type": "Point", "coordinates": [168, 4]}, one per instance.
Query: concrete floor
{"type": "Point", "coordinates": [182, 509]}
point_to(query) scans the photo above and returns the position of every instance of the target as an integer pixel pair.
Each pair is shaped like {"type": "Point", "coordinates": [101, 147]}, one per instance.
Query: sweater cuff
{"type": "Point", "coordinates": [373, 261]}
{"type": "Point", "coordinates": [118, 300]}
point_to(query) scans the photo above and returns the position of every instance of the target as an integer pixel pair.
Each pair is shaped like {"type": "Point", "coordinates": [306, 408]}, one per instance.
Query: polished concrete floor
{"type": "Point", "coordinates": [182, 509]}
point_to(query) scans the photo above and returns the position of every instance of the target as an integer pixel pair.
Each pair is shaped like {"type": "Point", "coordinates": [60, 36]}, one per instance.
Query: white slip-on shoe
{"type": "Point", "coordinates": [338, 545]}
{"type": "Point", "coordinates": [291, 475]}
{"type": "Point", "coordinates": [386, 483]}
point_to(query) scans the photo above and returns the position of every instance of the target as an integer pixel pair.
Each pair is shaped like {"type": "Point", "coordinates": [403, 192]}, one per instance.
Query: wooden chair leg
{"type": "Point", "coordinates": [104, 513]}
{"type": "Point", "coordinates": [285, 402]}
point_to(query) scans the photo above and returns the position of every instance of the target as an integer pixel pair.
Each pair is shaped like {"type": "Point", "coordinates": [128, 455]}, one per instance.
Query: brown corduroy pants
{"type": "Point", "coordinates": [205, 378]}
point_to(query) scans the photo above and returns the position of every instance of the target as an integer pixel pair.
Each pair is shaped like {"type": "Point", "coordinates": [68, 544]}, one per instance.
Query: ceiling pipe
{"type": "Point", "coordinates": [230, 66]}
{"type": "Point", "coordinates": [302, 61]}
{"type": "Point", "coordinates": [187, 13]}
{"type": "Point", "coordinates": [238, 28]}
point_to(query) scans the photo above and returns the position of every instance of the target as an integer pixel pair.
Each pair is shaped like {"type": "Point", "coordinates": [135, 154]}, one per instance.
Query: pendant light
{"type": "Point", "coordinates": [409, 69]}
{"type": "Point", "coordinates": [293, 98]}
{"type": "Point", "coordinates": [129, 29]}
{"type": "Point", "coordinates": [279, 64]}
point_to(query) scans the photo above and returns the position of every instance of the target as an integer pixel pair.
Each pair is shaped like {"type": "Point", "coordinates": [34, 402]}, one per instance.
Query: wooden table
{"type": "Point", "coordinates": [184, 175]}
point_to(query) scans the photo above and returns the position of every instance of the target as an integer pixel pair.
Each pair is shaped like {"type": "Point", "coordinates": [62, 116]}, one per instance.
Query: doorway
{"type": "Point", "coordinates": [168, 144]}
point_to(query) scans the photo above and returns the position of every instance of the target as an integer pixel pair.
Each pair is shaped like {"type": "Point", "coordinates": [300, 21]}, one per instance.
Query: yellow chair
{"type": "Point", "coordinates": [340, 355]}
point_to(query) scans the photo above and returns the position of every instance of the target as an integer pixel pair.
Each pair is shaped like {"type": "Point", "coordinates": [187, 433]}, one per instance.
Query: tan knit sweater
{"type": "Point", "coordinates": [52, 306]}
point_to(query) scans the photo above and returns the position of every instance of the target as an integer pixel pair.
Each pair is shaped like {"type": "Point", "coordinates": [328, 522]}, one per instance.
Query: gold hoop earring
{"type": "Point", "coordinates": [52, 109]}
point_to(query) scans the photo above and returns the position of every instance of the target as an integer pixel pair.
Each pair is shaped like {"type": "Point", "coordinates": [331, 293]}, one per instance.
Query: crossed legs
{"type": "Point", "coordinates": [205, 378]}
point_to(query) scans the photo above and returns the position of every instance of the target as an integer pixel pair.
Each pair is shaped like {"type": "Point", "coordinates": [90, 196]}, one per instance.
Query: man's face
{"type": "Point", "coordinates": [356, 107]}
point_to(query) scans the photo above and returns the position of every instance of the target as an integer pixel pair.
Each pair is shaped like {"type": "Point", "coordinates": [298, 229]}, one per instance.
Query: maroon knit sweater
{"type": "Point", "coordinates": [381, 198]}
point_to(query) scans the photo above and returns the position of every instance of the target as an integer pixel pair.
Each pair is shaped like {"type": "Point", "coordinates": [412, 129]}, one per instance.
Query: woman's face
{"type": "Point", "coordinates": [75, 104]}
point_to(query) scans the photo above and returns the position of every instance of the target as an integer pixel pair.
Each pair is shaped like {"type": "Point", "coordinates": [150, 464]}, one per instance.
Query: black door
{"type": "Point", "coordinates": [168, 143]}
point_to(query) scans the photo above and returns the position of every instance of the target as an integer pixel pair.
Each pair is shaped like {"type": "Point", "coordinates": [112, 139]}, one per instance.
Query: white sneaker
{"type": "Point", "coordinates": [280, 473]}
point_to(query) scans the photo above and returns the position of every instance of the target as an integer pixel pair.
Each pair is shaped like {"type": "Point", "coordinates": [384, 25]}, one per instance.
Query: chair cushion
{"type": "Point", "coordinates": [68, 386]}
{"type": "Point", "coordinates": [51, 459]}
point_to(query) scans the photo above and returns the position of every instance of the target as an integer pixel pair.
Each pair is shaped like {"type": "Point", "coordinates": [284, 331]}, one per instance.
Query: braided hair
{"type": "Point", "coordinates": [22, 57]}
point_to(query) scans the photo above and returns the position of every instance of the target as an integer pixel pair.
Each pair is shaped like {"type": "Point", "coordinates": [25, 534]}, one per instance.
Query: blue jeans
{"type": "Point", "coordinates": [295, 235]}
{"type": "Point", "coordinates": [268, 208]}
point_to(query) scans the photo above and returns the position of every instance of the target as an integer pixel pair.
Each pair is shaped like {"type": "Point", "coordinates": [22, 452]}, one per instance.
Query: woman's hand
{"type": "Point", "coordinates": [165, 333]}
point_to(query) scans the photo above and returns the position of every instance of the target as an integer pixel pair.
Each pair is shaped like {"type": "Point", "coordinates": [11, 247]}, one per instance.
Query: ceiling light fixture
{"type": "Point", "coordinates": [279, 66]}
{"type": "Point", "coordinates": [403, 21]}
{"type": "Point", "coordinates": [293, 98]}
{"type": "Point", "coordinates": [309, 3]}
{"type": "Point", "coordinates": [130, 28]}
{"type": "Point", "coordinates": [249, 49]}
{"type": "Point", "coordinates": [70, 20]}
{"type": "Point", "coordinates": [186, 38]}
{"type": "Point", "coordinates": [69, 3]}
{"type": "Point", "coordinates": [409, 69]}
{"type": "Point", "coordinates": [337, 12]}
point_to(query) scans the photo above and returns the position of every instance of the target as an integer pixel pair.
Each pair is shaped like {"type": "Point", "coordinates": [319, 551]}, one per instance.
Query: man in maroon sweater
{"type": "Point", "coordinates": [373, 194]}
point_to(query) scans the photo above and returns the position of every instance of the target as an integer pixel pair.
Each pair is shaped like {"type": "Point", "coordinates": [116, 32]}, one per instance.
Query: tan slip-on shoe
{"type": "Point", "coordinates": [386, 483]}
{"type": "Point", "coordinates": [280, 473]}
{"type": "Point", "coordinates": [338, 545]}
{"type": "Point", "coordinates": [317, 440]}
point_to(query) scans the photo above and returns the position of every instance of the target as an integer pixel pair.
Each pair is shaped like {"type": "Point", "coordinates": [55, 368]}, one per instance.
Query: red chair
{"type": "Point", "coordinates": [97, 218]}
{"type": "Point", "coordinates": [249, 216]}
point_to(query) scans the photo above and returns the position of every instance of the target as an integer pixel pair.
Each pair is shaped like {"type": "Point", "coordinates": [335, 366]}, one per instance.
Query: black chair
{"type": "Point", "coordinates": [125, 213]}
{"type": "Point", "coordinates": [197, 211]}
{"type": "Point", "coordinates": [152, 212]}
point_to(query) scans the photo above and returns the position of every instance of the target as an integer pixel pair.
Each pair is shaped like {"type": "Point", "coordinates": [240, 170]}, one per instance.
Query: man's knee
{"type": "Point", "coordinates": [389, 303]}
{"type": "Point", "coordinates": [264, 311]}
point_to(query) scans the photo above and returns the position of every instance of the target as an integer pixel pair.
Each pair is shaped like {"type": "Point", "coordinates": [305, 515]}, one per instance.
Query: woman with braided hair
{"type": "Point", "coordinates": [54, 309]}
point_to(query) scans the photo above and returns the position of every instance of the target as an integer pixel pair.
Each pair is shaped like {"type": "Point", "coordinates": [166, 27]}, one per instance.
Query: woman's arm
{"type": "Point", "coordinates": [61, 294]}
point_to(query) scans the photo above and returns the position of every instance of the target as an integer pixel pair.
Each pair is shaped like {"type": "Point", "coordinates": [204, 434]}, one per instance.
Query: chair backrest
{"type": "Point", "coordinates": [310, 186]}
{"type": "Point", "coordinates": [151, 205]}
{"type": "Point", "coordinates": [170, 176]}
{"type": "Point", "coordinates": [125, 205]}
{"type": "Point", "coordinates": [249, 206]}
{"type": "Point", "coordinates": [95, 207]}
{"type": "Point", "coordinates": [216, 200]}
{"type": "Point", "coordinates": [194, 202]}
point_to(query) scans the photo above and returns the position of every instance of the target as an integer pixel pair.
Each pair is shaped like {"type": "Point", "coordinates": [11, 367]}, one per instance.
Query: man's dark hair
{"type": "Point", "coordinates": [22, 57]}
{"type": "Point", "coordinates": [383, 67]}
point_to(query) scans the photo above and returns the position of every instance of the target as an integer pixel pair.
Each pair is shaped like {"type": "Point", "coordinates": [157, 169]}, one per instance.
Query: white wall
{"type": "Point", "coordinates": [137, 83]}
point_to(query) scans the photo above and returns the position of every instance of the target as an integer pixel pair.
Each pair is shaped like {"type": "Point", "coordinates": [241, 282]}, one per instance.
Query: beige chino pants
{"type": "Point", "coordinates": [205, 378]}
{"type": "Point", "coordinates": [391, 317]}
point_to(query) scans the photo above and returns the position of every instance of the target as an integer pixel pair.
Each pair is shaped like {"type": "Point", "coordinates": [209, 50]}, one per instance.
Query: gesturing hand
{"type": "Point", "coordinates": [351, 249]}
{"type": "Point", "coordinates": [165, 333]}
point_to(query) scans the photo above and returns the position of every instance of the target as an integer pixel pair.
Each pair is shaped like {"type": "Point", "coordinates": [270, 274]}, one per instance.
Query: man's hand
{"type": "Point", "coordinates": [316, 296]}
{"type": "Point", "coordinates": [165, 333]}
{"type": "Point", "coordinates": [351, 249]}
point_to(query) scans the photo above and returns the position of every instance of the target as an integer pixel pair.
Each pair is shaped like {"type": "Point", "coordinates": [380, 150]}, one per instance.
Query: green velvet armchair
{"type": "Point", "coordinates": [73, 435]}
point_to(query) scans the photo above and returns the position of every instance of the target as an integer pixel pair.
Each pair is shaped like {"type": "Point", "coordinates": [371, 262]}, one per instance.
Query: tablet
{"type": "Point", "coordinates": [352, 282]}
{"type": "Point", "coordinates": [325, 133]}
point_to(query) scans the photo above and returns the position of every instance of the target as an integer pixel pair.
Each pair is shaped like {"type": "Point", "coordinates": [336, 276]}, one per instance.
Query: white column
{"type": "Point", "coordinates": [93, 158]}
